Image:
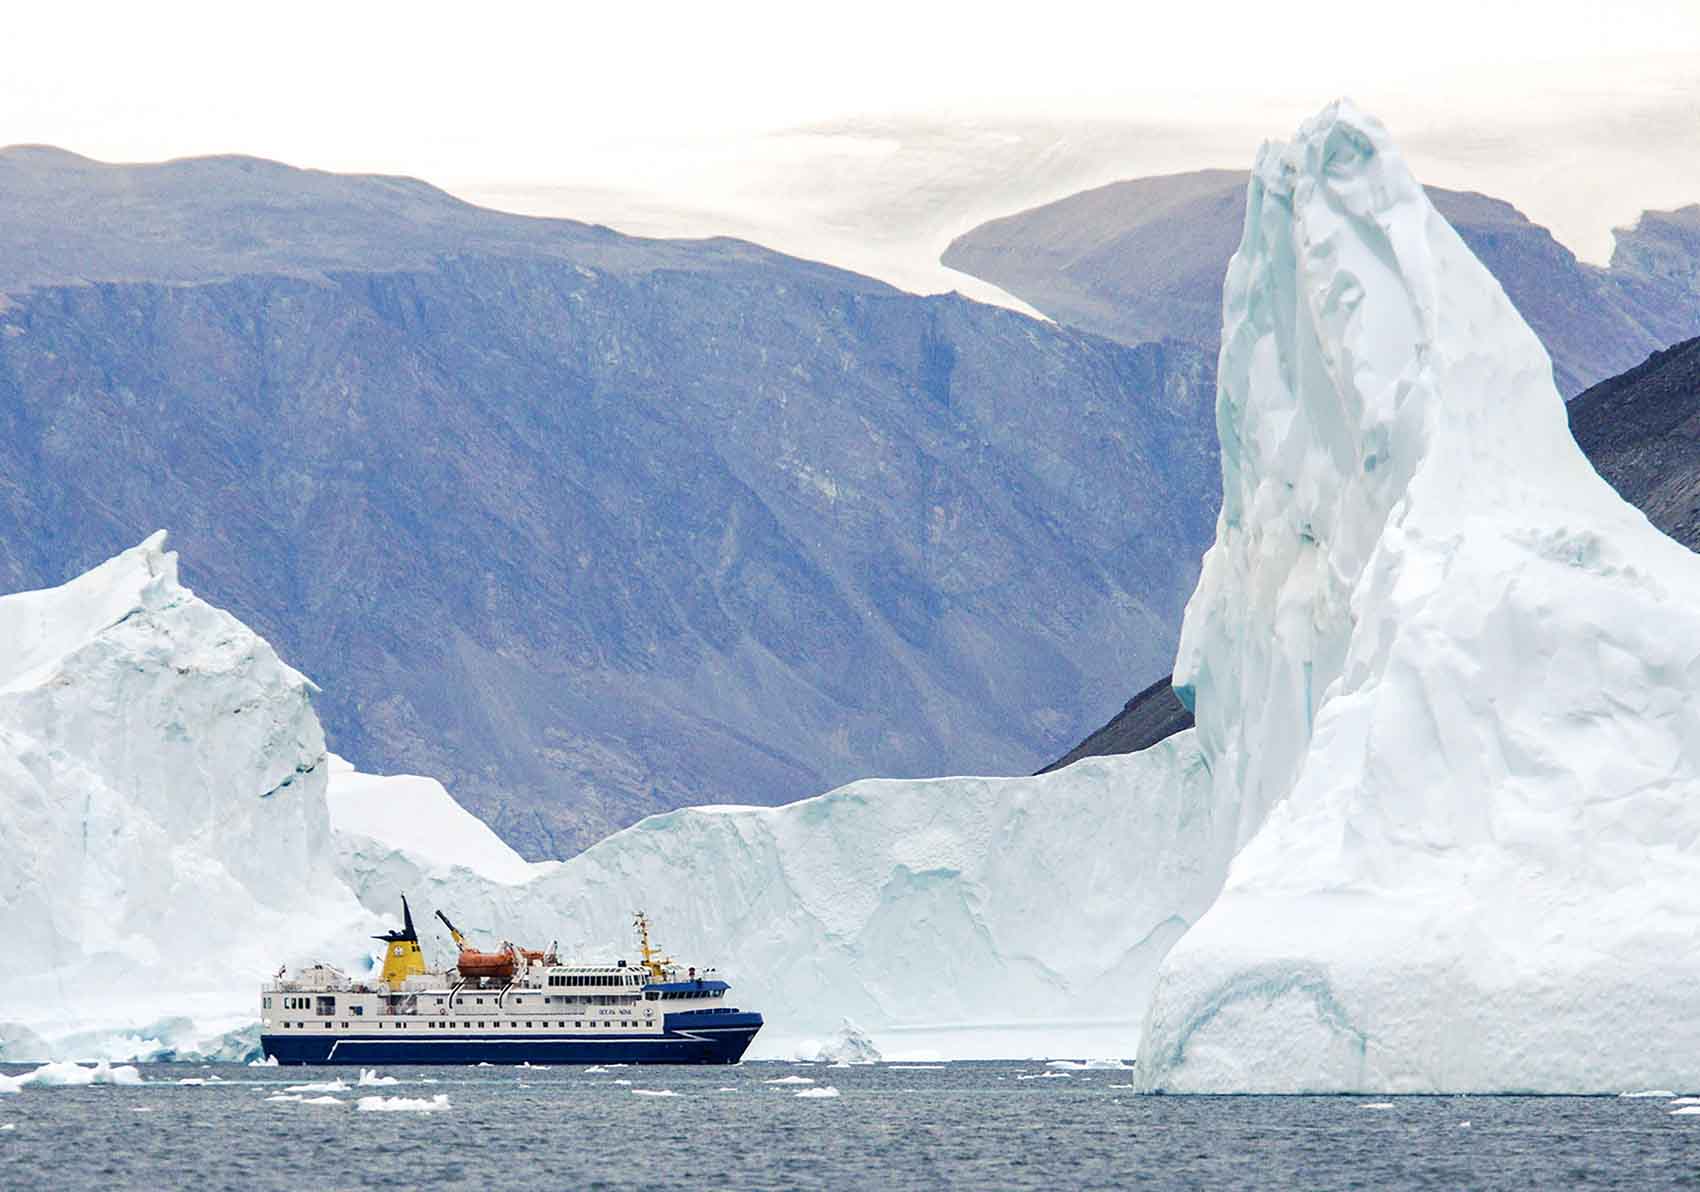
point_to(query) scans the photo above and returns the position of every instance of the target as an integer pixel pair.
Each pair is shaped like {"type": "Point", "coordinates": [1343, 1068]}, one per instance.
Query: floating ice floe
{"type": "Point", "coordinates": [322, 1086]}
{"type": "Point", "coordinates": [1090, 1066]}
{"type": "Point", "coordinates": [1376, 1105]}
{"type": "Point", "coordinates": [825, 1090]}
{"type": "Point", "coordinates": [1685, 1111]}
{"type": "Point", "coordinates": [1662, 1093]}
{"type": "Point", "coordinates": [369, 1078]}
{"type": "Point", "coordinates": [67, 1075]}
{"type": "Point", "coordinates": [269, 1061]}
{"type": "Point", "coordinates": [376, 1104]}
{"type": "Point", "coordinates": [1042, 1076]}
{"type": "Point", "coordinates": [193, 1080]}
{"type": "Point", "coordinates": [322, 1101]}
{"type": "Point", "coordinates": [1686, 1101]}
{"type": "Point", "coordinates": [654, 1093]}
{"type": "Point", "coordinates": [791, 1080]}
{"type": "Point", "coordinates": [284, 1097]}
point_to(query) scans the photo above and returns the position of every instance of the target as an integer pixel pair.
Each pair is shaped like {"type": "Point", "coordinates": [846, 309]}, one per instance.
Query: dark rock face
{"type": "Point", "coordinates": [1145, 259]}
{"type": "Point", "coordinates": [1642, 432]}
{"type": "Point", "coordinates": [1149, 717]}
{"type": "Point", "coordinates": [592, 527]}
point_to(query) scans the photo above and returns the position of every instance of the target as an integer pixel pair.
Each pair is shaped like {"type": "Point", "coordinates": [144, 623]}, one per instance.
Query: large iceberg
{"type": "Point", "coordinates": [957, 917]}
{"type": "Point", "coordinates": [162, 814]}
{"type": "Point", "coordinates": [175, 830]}
{"type": "Point", "coordinates": [1444, 681]}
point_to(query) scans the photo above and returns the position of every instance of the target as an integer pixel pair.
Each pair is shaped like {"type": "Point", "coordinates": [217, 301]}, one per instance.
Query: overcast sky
{"type": "Point", "coordinates": [1580, 112]}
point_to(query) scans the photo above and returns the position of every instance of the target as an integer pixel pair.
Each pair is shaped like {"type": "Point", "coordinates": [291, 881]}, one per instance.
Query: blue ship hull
{"type": "Point", "coordinates": [722, 1042]}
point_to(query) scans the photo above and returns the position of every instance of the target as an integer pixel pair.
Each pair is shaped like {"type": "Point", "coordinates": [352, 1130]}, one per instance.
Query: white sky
{"type": "Point", "coordinates": [1580, 112]}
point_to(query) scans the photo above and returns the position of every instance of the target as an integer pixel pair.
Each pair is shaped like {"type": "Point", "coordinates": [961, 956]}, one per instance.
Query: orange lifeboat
{"type": "Point", "coordinates": [495, 966]}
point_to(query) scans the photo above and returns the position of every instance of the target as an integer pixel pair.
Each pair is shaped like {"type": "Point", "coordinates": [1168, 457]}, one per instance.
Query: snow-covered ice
{"type": "Point", "coordinates": [369, 1078]}
{"type": "Point", "coordinates": [654, 1093]}
{"type": "Point", "coordinates": [824, 1091]}
{"type": "Point", "coordinates": [791, 1080]}
{"type": "Point", "coordinates": [1444, 680]}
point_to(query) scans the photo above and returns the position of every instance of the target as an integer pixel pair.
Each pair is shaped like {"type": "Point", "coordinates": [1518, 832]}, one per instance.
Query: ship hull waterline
{"type": "Point", "coordinates": [722, 1045]}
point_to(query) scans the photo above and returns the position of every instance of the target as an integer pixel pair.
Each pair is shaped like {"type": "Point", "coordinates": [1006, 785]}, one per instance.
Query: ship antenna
{"type": "Point", "coordinates": [641, 922]}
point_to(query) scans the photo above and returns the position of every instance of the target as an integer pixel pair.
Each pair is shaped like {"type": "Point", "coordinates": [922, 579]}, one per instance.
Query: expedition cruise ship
{"type": "Point", "coordinates": [510, 1006]}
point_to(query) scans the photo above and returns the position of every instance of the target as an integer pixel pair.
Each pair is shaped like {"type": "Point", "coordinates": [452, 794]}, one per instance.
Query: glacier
{"type": "Point", "coordinates": [1443, 679]}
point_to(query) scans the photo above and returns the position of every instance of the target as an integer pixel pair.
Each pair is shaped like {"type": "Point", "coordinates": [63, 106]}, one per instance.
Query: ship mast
{"type": "Point", "coordinates": [652, 960]}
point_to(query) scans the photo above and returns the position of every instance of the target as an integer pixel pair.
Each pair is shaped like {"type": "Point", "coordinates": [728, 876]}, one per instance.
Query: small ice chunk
{"type": "Point", "coordinates": [1042, 1076]}
{"type": "Point", "coordinates": [791, 1080]}
{"type": "Point", "coordinates": [269, 1061]}
{"type": "Point", "coordinates": [1686, 1101]}
{"type": "Point", "coordinates": [378, 1104]}
{"type": "Point", "coordinates": [619, 1082]}
{"type": "Point", "coordinates": [1685, 1110]}
{"type": "Point", "coordinates": [8, 1126]}
{"type": "Point", "coordinates": [595, 1070]}
{"type": "Point", "coordinates": [322, 1086]}
{"type": "Point", "coordinates": [369, 1078]}
{"type": "Point", "coordinates": [327, 1100]}
{"type": "Point", "coordinates": [825, 1090]}
{"type": "Point", "coordinates": [284, 1097]}
{"type": "Point", "coordinates": [484, 1064]}
{"type": "Point", "coordinates": [1649, 1093]}
{"type": "Point", "coordinates": [193, 1080]}
{"type": "Point", "coordinates": [655, 1093]}
{"type": "Point", "coordinates": [1376, 1105]}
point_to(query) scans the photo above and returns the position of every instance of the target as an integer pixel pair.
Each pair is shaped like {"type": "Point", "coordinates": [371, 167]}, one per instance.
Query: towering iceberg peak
{"type": "Point", "coordinates": [1444, 674]}
{"type": "Point", "coordinates": [1374, 379]}
{"type": "Point", "coordinates": [162, 800]}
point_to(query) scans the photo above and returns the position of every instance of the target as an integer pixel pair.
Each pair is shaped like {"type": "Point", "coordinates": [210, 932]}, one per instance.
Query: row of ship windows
{"type": "Point", "coordinates": [327, 1005]}
{"type": "Point", "coordinates": [604, 979]}
{"type": "Point", "coordinates": [452, 1025]}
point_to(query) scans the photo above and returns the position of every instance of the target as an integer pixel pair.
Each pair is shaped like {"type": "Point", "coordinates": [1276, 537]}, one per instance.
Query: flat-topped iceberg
{"type": "Point", "coordinates": [180, 832]}
{"type": "Point", "coordinates": [1444, 679]}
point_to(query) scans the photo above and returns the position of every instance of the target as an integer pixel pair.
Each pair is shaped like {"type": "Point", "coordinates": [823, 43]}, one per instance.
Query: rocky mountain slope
{"type": "Point", "coordinates": [583, 525]}
{"type": "Point", "coordinates": [1641, 431]}
{"type": "Point", "coordinates": [1145, 259]}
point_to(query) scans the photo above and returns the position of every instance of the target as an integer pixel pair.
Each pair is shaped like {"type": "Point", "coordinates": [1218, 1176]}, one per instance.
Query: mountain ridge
{"type": "Point", "coordinates": [1145, 258]}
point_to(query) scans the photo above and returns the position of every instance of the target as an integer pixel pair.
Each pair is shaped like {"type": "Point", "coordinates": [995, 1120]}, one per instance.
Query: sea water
{"type": "Point", "coordinates": [763, 1125]}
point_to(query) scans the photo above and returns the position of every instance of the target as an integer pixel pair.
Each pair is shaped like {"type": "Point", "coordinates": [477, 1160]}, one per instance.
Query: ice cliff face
{"type": "Point", "coordinates": [162, 780]}
{"type": "Point", "coordinates": [175, 830]}
{"type": "Point", "coordinates": [958, 916]}
{"type": "Point", "coordinates": [1443, 679]}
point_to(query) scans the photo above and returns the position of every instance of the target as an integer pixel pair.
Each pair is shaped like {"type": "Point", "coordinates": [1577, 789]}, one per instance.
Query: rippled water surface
{"type": "Point", "coordinates": [951, 1126]}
